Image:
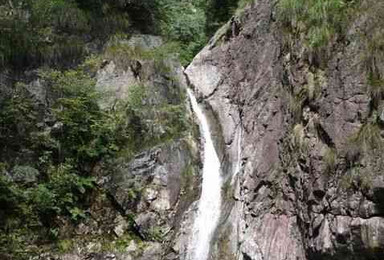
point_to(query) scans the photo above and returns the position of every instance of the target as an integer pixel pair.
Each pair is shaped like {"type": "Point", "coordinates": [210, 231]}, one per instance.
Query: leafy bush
{"type": "Point", "coordinates": [85, 134]}
{"type": "Point", "coordinates": [65, 245]}
{"type": "Point", "coordinates": [55, 32]}
{"type": "Point", "coordinates": [35, 32]}
{"type": "Point", "coordinates": [18, 119]}
{"type": "Point", "coordinates": [183, 22]}
{"type": "Point", "coordinates": [140, 126]}
{"type": "Point", "coordinates": [24, 174]}
{"type": "Point", "coordinates": [38, 31]}
{"type": "Point", "coordinates": [55, 144]}
{"type": "Point", "coordinates": [10, 198]}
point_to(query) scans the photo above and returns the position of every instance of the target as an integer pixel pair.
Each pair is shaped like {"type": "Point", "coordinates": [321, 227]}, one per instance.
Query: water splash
{"type": "Point", "coordinates": [209, 204]}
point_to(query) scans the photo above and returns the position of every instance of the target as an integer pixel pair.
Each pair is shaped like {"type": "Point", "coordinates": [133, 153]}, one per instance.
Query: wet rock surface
{"type": "Point", "coordinates": [298, 195]}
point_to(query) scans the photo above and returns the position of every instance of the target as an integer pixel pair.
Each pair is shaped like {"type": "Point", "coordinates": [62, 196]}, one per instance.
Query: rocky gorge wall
{"type": "Point", "coordinates": [142, 202]}
{"type": "Point", "coordinates": [299, 136]}
{"type": "Point", "coordinates": [311, 183]}
{"type": "Point", "coordinates": [157, 187]}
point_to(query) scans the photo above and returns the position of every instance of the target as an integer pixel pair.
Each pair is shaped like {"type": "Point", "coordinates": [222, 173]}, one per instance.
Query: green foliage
{"type": "Point", "coordinates": [27, 211]}
{"type": "Point", "coordinates": [124, 54]}
{"type": "Point", "coordinates": [57, 180]}
{"type": "Point", "coordinates": [299, 141]}
{"type": "Point", "coordinates": [120, 244]}
{"type": "Point", "coordinates": [92, 64]}
{"type": "Point", "coordinates": [44, 201]}
{"type": "Point", "coordinates": [296, 103]}
{"type": "Point", "coordinates": [368, 137]}
{"type": "Point", "coordinates": [173, 120]}
{"type": "Point", "coordinates": [137, 94]}
{"type": "Point", "coordinates": [183, 22]}
{"type": "Point", "coordinates": [50, 148]}
{"type": "Point", "coordinates": [9, 201]}
{"type": "Point", "coordinates": [371, 38]}
{"type": "Point", "coordinates": [37, 32]}
{"type": "Point", "coordinates": [187, 177]}
{"type": "Point", "coordinates": [123, 242]}
{"type": "Point", "coordinates": [318, 20]}
{"type": "Point", "coordinates": [376, 84]}
{"type": "Point", "coordinates": [156, 234]}
{"type": "Point", "coordinates": [357, 178]}
{"type": "Point", "coordinates": [219, 12]}
{"type": "Point", "coordinates": [85, 133]}
{"type": "Point", "coordinates": [243, 3]}
{"type": "Point", "coordinates": [77, 214]}
{"type": "Point", "coordinates": [25, 174]}
{"type": "Point", "coordinates": [18, 118]}
{"type": "Point", "coordinates": [55, 32]}
{"type": "Point", "coordinates": [61, 194]}
{"type": "Point", "coordinates": [330, 159]}
{"type": "Point", "coordinates": [306, 94]}
{"type": "Point", "coordinates": [65, 246]}
{"type": "Point", "coordinates": [373, 59]}
{"type": "Point", "coordinates": [228, 190]}
{"type": "Point", "coordinates": [141, 126]}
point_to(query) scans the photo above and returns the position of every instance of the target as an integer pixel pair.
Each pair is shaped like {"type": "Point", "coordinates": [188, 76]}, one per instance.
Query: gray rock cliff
{"type": "Point", "coordinates": [302, 193]}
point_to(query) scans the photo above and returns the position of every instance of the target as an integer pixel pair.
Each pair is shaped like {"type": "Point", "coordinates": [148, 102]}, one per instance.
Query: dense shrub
{"type": "Point", "coordinates": [84, 133]}
{"type": "Point", "coordinates": [57, 180]}
{"type": "Point", "coordinates": [183, 22]}
{"type": "Point", "coordinates": [18, 119]}
{"type": "Point", "coordinates": [54, 31]}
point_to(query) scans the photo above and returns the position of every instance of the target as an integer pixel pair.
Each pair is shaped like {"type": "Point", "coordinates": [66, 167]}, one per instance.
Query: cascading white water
{"type": "Point", "coordinates": [209, 205]}
{"type": "Point", "coordinates": [238, 164]}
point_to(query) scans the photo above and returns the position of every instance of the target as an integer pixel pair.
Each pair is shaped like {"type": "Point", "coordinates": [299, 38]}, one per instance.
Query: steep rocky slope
{"type": "Point", "coordinates": [298, 128]}
{"type": "Point", "coordinates": [139, 193]}
{"type": "Point", "coordinates": [311, 182]}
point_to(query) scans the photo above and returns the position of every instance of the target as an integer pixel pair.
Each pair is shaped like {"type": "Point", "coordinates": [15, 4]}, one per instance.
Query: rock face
{"type": "Point", "coordinates": [305, 190]}
{"type": "Point", "coordinates": [151, 186]}
{"type": "Point", "coordinates": [156, 188]}
{"type": "Point", "coordinates": [149, 194]}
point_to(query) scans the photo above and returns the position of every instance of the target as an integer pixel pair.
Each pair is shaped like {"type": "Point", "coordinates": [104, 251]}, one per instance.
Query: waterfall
{"type": "Point", "coordinates": [209, 204]}
{"type": "Point", "coordinates": [238, 164]}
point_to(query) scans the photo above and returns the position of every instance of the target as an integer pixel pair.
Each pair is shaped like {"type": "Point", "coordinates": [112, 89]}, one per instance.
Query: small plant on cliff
{"type": "Point", "coordinates": [330, 159]}
{"type": "Point", "coordinates": [372, 39]}
{"type": "Point", "coordinates": [369, 137]}
{"type": "Point", "coordinates": [376, 87]}
{"type": "Point", "coordinates": [156, 233]}
{"type": "Point", "coordinates": [366, 145]}
{"type": "Point", "coordinates": [227, 190]}
{"type": "Point", "coordinates": [318, 20]}
{"type": "Point", "coordinates": [241, 4]}
{"type": "Point", "coordinates": [299, 140]}
{"type": "Point", "coordinates": [373, 60]}
{"type": "Point", "coordinates": [296, 103]}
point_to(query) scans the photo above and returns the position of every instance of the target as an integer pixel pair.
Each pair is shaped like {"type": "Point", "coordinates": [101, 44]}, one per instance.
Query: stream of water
{"type": "Point", "coordinates": [209, 204]}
